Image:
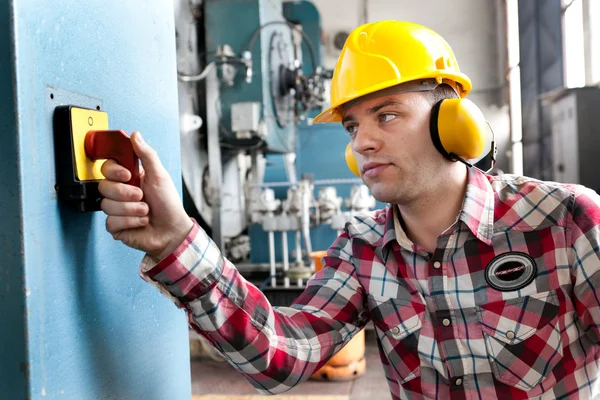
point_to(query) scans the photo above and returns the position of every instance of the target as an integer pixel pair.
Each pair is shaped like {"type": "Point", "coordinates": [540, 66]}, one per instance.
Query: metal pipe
{"type": "Point", "coordinates": [242, 177]}
{"type": "Point", "coordinates": [319, 182]}
{"type": "Point", "coordinates": [286, 265]}
{"type": "Point", "coordinates": [214, 157]}
{"type": "Point", "coordinates": [514, 88]}
{"type": "Point", "coordinates": [272, 258]}
{"type": "Point", "coordinates": [298, 247]}
{"type": "Point", "coordinates": [299, 253]}
{"type": "Point", "coordinates": [306, 216]}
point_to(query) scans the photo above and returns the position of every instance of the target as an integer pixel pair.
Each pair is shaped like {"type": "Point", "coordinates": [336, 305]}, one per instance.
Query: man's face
{"type": "Point", "coordinates": [392, 145]}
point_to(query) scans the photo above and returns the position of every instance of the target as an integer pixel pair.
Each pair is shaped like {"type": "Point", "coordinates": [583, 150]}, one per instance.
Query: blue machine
{"type": "Point", "coordinates": [263, 39]}
{"type": "Point", "coordinates": [270, 85]}
{"type": "Point", "coordinates": [77, 321]}
{"type": "Point", "coordinates": [319, 148]}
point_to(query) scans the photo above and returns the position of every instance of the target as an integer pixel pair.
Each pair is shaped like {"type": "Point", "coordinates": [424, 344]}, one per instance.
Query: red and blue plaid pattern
{"type": "Point", "coordinates": [442, 330]}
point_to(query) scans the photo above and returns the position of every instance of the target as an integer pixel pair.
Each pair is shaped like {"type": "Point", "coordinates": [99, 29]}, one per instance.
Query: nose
{"type": "Point", "coordinates": [366, 140]}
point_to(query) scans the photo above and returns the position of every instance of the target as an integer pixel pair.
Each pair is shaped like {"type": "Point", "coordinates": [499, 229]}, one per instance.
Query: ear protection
{"type": "Point", "coordinates": [458, 130]}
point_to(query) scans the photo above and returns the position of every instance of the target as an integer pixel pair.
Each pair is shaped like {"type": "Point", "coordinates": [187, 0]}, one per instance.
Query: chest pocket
{"type": "Point", "coordinates": [397, 323]}
{"type": "Point", "coordinates": [522, 338]}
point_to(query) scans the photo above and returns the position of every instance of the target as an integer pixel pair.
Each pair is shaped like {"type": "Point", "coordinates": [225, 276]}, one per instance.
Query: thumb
{"type": "Point", "coordinates": [145, 153]}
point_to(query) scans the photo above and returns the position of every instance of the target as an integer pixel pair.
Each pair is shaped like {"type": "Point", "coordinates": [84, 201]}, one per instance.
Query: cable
{"type": "Point", "coordinates": [230, 135]}
{"type": "Point", "coordinates": [204, 73]}
{"type": "Point", "coordinates": [292, 27]}
{"type": "Point", "coordinates": [222, 127]}
{"type": "Point", "coordinates": [567, 5]}
{"type": "Point", "coordinates": [263, 285]}
{"type": "Point", "coordinates": [493, 149]}
{"type": "Point", "coordinates": [240, 146]}
{"type": "Point", "coordinates": [199, 77]}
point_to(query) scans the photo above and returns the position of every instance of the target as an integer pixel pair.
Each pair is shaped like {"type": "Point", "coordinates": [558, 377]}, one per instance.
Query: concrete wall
{"type": "Point", "coordinates": [474, 28]}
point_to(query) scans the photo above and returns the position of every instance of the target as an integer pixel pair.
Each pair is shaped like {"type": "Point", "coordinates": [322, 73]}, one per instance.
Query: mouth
{"type": "Point", "coordinates": [372, 169]}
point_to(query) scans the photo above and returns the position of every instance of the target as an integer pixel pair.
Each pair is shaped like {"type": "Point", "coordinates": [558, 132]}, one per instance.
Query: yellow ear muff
{"type": "Point", "coordinates": [351, 160]}
{"type": "Point", "coordinates": [458, 129]}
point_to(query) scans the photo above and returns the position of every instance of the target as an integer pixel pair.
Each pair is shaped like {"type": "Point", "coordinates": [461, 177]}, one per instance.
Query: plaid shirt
{"type": "Point", "coordinates": [506, 307]}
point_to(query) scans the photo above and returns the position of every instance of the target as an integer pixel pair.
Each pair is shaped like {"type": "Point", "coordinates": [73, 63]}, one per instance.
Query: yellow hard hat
{"type": "Point", "coordinates": [383, 54]}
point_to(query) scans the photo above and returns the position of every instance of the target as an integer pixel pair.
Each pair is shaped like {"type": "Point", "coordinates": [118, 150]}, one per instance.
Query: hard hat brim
{"type": "Point", "coordinates": [460, 81]}
{"type": "Point", "coordinates": [329, 115]}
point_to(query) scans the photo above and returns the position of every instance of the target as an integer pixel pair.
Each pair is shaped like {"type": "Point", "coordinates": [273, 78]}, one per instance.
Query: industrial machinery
{"type": "Point", "coordinates": [268, 186]}
{"type": "Point", "coordinates": [574, 129]}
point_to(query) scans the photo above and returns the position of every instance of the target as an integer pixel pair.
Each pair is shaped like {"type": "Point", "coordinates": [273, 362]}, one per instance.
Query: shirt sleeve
{"type": "Point", "coordinates": [275, 348]}
{"type": "Point", "coordinates": [585, 259]}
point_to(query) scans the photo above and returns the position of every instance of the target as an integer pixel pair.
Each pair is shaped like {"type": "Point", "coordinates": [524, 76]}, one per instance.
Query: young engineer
{"type": "Point", "coordinates": [479, 287]}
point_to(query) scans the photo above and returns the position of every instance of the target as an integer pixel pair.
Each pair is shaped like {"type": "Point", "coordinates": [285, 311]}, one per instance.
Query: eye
{"type": "Point", "coordinates": [352, 128]}
{"type": "Point", "coordinates": [386, 117]}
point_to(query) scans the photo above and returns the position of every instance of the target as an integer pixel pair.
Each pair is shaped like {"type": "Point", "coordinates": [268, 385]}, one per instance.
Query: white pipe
{"type": "Point", "coordinates": [299, 253]}
{"type": "Point", "coordinates": [587, 10]}
{"type": "Point", "coordinates": [514, 89]}
{"type": "Point", "coordinates": [272, 258]}
{"type": "Point", "coordinates": [298, 246]}
{"type": "Point", "coordinates": [286, 265]}
{"type": "Point", "coordinates": [306, 216]}
{"type": "Point", "coordinates": [242, 190]}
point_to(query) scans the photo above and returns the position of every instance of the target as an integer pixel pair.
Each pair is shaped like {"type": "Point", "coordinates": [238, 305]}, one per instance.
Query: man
{"type": "Point", "coordinates": [479, 287]}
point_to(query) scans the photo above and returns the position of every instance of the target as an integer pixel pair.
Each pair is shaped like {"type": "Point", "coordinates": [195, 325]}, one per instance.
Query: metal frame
{"type": "Point", "coordinates": [541, 65]}
{"type": "Point", "coordinates": [214, 154]}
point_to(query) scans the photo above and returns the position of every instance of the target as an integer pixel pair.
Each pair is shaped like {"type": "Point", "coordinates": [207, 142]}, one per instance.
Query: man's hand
{"type": "Point", "coordinates": [150, 218]}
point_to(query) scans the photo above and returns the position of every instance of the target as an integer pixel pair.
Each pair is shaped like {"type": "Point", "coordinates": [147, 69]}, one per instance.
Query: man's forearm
{"type": "Point", "coordinates": [275, 348]}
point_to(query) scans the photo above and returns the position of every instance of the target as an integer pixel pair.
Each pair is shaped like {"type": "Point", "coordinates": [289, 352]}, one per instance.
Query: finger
{"type": "Point", "coordinates": [117, 224]}
{"type": "Point", "coordinates": [120, 191]}
{"type": "Point", "coordinates": [118, 208]}
{"type": "Point", "coordinates": [146, 154]}
{"type": "Point", "coordinates": [115, 172]}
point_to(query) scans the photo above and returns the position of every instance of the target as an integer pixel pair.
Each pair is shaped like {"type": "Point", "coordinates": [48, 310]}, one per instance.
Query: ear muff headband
{"type": "Point", "coordinates": [458, 130]}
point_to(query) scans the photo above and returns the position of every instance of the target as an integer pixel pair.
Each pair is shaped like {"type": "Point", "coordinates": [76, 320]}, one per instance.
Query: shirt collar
{"type": "Point", "coordinates": [478, 206]}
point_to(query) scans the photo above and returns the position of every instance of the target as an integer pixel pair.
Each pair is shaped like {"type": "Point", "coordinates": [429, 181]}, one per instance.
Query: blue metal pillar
{"type": "Point", "coordinates": [77, 321]}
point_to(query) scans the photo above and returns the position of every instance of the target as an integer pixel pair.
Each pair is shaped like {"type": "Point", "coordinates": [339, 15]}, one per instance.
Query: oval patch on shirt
{"type": "Point", "coordinates": [510, 271]}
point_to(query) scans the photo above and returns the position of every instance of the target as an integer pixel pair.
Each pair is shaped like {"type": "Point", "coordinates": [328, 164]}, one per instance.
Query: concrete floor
{"type": "Point", "coordinates": [216, 380]}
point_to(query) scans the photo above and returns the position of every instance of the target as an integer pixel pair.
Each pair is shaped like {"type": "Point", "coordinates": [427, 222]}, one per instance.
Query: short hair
{"type": "Point", "coordinates": [442, 92]}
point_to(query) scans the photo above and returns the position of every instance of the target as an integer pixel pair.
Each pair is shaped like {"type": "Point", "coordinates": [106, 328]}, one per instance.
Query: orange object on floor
{"type": "Point", "coordinates": [349, 363]}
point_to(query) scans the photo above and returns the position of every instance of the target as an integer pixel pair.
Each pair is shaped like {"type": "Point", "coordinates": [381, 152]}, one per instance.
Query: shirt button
{"type": "Point", "coordinates": [446, 321]}
{"type": "Point", "coordinates": [395, 330]}
{"type": "Point", "coordinates": [458, 382]}
{"type": "Point", "coordinates": [510, 335]}
{"type": "Point", "coordinates": [437, 265]}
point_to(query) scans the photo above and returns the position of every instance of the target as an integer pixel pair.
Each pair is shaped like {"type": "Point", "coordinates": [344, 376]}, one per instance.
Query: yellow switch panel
{"type": "Point", "coordinates": [83, 121]}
